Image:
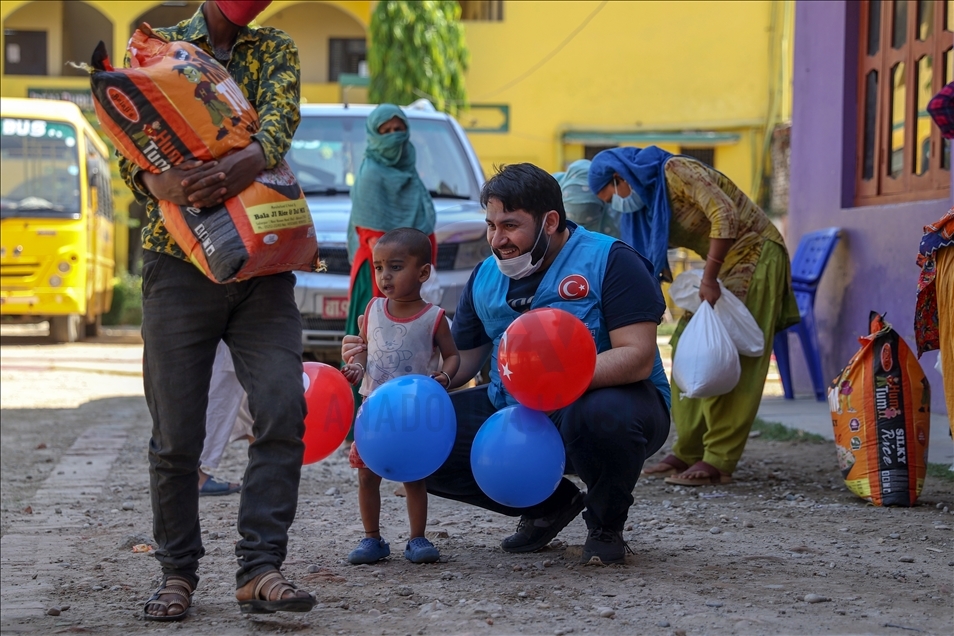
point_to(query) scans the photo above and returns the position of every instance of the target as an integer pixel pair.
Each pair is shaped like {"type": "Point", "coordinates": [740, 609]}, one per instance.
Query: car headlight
{"type": "Point", "coordinates": [471, 253]}
{"type": "Point", "coordinates": [64, 267]}
{"type": "Point", "coordinates": [55, 281]}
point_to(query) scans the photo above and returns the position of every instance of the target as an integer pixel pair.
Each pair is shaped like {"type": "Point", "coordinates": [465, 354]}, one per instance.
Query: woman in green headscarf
{"type": "Point", "coordinates": [387, 194]}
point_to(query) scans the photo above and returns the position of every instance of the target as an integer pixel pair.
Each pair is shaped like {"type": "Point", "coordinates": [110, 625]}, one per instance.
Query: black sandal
{"type": "Point", "coordinates": [265, 585]}
{"type": "Point", "coordinates": [180, 589]}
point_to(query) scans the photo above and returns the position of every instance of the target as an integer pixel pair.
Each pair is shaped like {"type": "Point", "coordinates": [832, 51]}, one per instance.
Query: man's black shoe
{"type": "Point", "coordinates": [604, 547]}
{"type": "Point", "coordinates": [535, 534]}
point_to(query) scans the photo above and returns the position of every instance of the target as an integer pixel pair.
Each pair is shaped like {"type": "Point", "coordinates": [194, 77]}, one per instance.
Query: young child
{"type": "Point", "coordinates": [404, 335]}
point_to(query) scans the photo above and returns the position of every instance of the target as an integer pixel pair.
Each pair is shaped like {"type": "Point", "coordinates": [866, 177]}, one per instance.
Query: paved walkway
{"type": "Point", "coordinates": [811, 416]}
{"type": "Point", "coordinates": [34, 554]}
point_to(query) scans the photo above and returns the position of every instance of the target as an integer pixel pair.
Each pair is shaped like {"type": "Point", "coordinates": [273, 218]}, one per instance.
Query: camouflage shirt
{"type": "Point", "coordinates": [264, 63]}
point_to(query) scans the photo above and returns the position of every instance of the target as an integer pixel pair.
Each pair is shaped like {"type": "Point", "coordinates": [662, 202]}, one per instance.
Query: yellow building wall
{"type": "Point", "coordinates": [343, 18]}
{"type": "Point", "coordinates": [310, 23]}
{"type": "Point", "coordinates": [298, 22]}
{"type": "Point", "coordinates": [41, 16]}
{"type": "Point", "coordinates": [580, 65]}
{"type": "Point", "coordinates": [634, 66]}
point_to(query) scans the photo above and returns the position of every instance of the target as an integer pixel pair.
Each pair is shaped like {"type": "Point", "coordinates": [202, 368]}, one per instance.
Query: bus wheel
{"type": "Point", "coordinates": [65, 328]}
{"type": "Point", "coordinates": [93, 328]}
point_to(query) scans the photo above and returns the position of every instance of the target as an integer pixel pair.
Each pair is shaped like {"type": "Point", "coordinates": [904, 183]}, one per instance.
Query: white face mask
{"type": "Point", "coordinates": [627, 205]}
{"type": "Point", "coordinates": [522, 266]}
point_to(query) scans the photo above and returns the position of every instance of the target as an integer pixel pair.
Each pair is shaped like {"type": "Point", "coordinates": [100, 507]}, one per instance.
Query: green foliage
{"type": "Point", "coordinates": [418, 50]}
{"type": "Point", "coordinates": [778, 432]}
{"type": "Point", "coordinates": [127, 302]}
{"type": "Point", "coordinates": [942, 472]}
{"type": "Point", "coordinates": [666, 328]}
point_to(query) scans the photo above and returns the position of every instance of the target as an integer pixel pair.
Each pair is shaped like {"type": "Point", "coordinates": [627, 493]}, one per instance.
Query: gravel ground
{"type": "Point", "coordinates": [785, 549]}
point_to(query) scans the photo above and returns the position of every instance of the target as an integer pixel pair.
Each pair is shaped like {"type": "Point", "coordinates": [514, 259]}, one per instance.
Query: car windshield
{"type": "Point", "coordinates": [39, 169]}
{"type": "Point", "coordinates": [327, 151]}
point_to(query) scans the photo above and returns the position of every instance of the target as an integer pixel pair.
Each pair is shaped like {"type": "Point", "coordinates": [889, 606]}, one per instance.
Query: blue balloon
{"type": "Point", "coordinates": [405, 429]}
{"type": "Point", "coordinates": [518, 457]}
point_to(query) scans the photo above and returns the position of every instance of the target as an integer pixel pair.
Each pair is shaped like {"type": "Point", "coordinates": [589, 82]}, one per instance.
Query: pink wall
{"type": "Point", "coordinates": [873, 268]}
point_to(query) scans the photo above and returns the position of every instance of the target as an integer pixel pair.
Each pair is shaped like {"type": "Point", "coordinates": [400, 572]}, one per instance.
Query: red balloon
{"type": "Point", "coordinates": [546, 359]}
{"type": "Point", "coordinates": [330, 410]}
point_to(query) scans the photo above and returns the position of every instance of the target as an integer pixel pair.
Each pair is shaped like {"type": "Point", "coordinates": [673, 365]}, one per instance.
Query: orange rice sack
{"type": "Point", "coordinates": [881, 412]}
{"type": "Point", "coordinates": [266, 229]}
{"type": "Point", "coordinates": [176, 103]}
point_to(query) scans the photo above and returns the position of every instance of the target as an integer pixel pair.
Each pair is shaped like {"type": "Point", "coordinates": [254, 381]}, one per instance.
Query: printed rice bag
{"type": "Point", "coordinates": [176, 103]}
{"type": "Point", "coordinates": [266, 229]}
{"type": "Point", "coordinates": [881, 413]}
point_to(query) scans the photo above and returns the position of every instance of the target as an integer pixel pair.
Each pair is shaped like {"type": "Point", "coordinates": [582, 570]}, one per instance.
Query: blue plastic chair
{"type": "Point", "coordinates": [809, 263]}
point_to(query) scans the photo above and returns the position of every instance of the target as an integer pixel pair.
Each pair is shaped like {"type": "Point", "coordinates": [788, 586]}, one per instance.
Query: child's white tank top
{"type": "Point", "coordinates": [399, 346]}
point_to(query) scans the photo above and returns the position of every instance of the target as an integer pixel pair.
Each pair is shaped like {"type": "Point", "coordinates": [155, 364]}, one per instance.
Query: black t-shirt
{"type": "Point", "coordinates": [630, 295]}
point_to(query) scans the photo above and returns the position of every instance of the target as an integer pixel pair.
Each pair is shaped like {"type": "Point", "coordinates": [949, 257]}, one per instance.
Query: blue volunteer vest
{"type": "Point", "coordinates": [581, 263]}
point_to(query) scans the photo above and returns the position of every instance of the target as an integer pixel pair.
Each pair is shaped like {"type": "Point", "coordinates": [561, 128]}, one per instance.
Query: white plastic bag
{"type": "Point", "coordinates": [743, 330]}
{"type": "Point", "coordinates": [706, 361]}
{"type": "Point", "coordinates": [431, 290]}
{"type": "Point", "coordinates": [684, 290]}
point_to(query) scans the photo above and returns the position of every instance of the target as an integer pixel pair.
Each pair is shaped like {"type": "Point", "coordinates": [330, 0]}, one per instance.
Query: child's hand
{"type": "Point", "coordinates": [353, 345]}
{"type": "Point", "coordinates": [442, 378]}
{"type": "Point", "coordinates": [353, 372]}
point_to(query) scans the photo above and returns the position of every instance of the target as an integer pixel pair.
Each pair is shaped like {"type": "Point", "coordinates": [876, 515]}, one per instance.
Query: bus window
{"type": "Point", "coordinates": [39, 169]}
{"type": "Point", "coordinates": [98, 174]}
{"type": "Point", "coordinates": [105, 194]}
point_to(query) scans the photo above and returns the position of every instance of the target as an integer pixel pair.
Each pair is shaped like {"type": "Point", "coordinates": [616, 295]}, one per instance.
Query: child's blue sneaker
{"type": "Point", "coordinates": [369, 551]}
{"type": "Point", "coordinates": [420, 550]}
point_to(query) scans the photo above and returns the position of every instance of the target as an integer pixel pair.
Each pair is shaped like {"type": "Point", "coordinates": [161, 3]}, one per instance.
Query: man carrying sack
{"type": "Point", "coordinates": [185, 315]}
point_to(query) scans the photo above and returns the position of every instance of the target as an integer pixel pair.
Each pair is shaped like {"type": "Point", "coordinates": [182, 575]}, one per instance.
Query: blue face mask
{"type": "Point", "coordinates": [627, 205]}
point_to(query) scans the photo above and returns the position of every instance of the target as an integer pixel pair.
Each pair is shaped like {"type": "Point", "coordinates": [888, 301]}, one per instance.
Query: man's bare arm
{"type": "Point", "coordinates": [630, 360]}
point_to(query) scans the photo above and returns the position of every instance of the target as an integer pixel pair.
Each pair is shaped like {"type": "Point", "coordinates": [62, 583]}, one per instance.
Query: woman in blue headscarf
{"type": "Point", "coordinates": [677, 201]}
{"type": "Point", "coordinates": [582, 206]}
{"type": "Point", "coordinates": [387, 194]}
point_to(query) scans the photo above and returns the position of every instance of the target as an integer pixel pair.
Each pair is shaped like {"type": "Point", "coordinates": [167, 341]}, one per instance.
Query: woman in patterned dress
{"type": "Point", "coordinates": [675, 201]}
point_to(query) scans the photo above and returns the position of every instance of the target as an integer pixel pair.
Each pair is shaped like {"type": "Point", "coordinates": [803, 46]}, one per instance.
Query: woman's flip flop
{"type": "Point", "coordinates": [668, 465]}
{"type": "Point", "coordinates": [704, 475]}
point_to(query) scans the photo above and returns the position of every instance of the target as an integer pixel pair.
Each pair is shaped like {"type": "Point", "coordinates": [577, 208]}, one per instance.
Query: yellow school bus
{"type": "Point", "coordinates": [57, 258]}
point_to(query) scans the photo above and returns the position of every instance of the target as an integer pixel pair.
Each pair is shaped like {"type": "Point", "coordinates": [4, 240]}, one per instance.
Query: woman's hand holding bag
{"type": "Point", "coordinates": [735, 316]}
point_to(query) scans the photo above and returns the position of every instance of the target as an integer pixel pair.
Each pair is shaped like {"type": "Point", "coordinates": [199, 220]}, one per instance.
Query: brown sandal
{"type": "Point", "coordinates": [175, 591]}
{"type": "Point", "coordinates": [268, 591]}
{"type": "Point", "coordinates": [668, 465]}
{"type": "Point", "coordinates": [708, 475]}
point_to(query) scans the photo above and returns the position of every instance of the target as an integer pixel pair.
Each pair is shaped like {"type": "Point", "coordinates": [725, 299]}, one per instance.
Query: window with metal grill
{"type": "Point", "coordinates": [345, 56]}
{"type": "Point", "coordinates": [705, 155]}
{"type": "Point", "coordinates": [904, 58]}
{"type": "Point", "coordinates": [25, 52]}
{"type": "Point", "coordinates": [591, 151]}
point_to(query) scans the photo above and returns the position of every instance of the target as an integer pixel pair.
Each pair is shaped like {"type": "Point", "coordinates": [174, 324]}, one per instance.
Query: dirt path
{"type": "Point", "coordinates": [786, 549]}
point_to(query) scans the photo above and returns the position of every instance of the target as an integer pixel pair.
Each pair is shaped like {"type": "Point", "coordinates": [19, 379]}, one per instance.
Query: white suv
{"type": "Point", "coordinates": [325, 155]}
